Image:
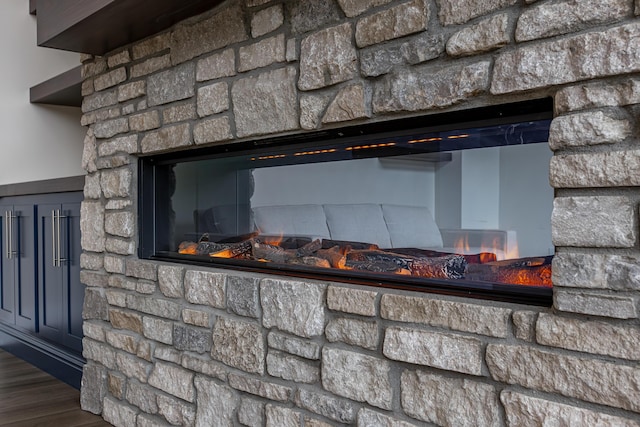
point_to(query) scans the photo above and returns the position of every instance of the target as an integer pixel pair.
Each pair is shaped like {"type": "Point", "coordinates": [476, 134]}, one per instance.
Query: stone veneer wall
{"type": "Point", "coordinates": [186, 345]}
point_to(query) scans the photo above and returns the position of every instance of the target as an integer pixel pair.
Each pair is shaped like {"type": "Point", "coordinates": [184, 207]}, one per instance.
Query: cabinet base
{"type": "Point", "coordinates": [58, 362]}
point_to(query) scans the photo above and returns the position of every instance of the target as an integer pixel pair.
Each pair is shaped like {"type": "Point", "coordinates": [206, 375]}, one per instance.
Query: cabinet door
{"type": "Point", "coordinates": [24, 265]}
{"type": "Point", "coordinates": [61, 293]}
{"type": "Point", "coordinates": [7, 265]}
{"type": "Point", "coordinates": [50, 274]}
{"type": "Point", "coordinates": [73, 289]}
{"type": "Point", "coordinates": [18, 281]}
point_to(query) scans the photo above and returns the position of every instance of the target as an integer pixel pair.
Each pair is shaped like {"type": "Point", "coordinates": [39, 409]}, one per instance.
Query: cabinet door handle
{"type": "Point", "coordinates": [7, 235]}
{"type": "Point", "coordinates": [9, 217]}
{"type": "Point", "coordinates": [54, 247]}
{"type": "Point", "coordinates": [55, 237]}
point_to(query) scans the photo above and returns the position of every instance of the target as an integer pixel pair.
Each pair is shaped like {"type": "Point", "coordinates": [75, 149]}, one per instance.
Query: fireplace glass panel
{"type": "Point", "coordinates": [465, 208]}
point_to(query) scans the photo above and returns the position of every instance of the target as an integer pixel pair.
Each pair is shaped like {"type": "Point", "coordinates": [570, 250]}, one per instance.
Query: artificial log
{"type": "Point", "coordinates": [226, 250]}
{"type": "Point", "coordinates": [328, 244]}
{"type": "Point", "coordinates": [445, 267]}
{"type": "Point", "coordinates": [524, 271]}
{"type": "Point", "coordinates": [310, 248]}
{"type": "Point", "coordinates": [264, 251]}
{"type": "Point", "coordinates": [376, 267]}
{"type": "Point", "coordinates": [310, 261]}
{"type": "Point", "coordinates": [479, 258]}
{"type": "Point", "coordinates": [334, 255]}
{"type": "Point", "coordinates": [379, 256]}
{"type": "Point", "coordinates": [450, 266]}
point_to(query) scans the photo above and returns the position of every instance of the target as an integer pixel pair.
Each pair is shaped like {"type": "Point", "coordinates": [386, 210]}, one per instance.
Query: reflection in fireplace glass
{"type": "Point", "coordinates": [466, 206]}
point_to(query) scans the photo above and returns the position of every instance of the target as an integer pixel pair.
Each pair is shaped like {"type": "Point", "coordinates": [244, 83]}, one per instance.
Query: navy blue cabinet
{"type": "Point", "coordinates": [41, 296]}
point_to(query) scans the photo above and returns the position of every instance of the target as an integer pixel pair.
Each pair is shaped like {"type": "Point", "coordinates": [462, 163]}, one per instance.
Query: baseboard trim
{"type": "Point", "coordinates": [62, 364]}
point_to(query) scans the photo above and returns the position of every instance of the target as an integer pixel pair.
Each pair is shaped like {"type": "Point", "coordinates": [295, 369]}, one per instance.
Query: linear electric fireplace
{"type": "Point", "coordinates": [456, 203]}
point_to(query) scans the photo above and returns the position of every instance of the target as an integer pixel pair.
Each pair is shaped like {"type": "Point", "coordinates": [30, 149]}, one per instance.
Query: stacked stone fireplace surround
{"type": "Point", "coordinates": [172, 344]}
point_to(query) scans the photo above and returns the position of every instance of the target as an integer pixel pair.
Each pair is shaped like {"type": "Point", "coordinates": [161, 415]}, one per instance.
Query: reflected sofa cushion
{"type": "Point", "coordinates": [411, 227]}
{"type": "Point", "coordinates": [292, 220]}
{"type": "Point", "coordinates": [358, 223]}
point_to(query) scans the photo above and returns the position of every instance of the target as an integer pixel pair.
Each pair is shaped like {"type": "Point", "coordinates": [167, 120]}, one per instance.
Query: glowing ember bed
{"type": "Point", "coordinates": [457, 203]}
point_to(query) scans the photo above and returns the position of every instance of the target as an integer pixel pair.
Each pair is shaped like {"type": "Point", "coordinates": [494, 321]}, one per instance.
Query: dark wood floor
{"type": "Point", "coordinates": [30, 397]}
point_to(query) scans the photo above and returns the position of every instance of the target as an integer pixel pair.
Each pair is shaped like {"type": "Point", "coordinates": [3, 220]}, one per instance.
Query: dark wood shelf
{"type": "Point", "coordinates": [58, 185]}
{"type": "Point", "coordinates": [100, 26]}
{"type": "Point", "coordinates": [63, 89]}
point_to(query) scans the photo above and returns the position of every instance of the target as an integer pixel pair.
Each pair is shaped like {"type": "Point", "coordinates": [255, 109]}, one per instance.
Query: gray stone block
{"type": "Point", "coordinates": [584, 378]}
{"type": "Point", "coordinates": [243, 296]}
{"type": "Point", "coordinates": [171, 85]}
{"type": "Point", "coordinates": [453, 12]}
{"type": "Point", "coordinates": [426, 88]}
{"type": "Point", "coordinates": [458, 316]}
{"type": "Point", "coordinates": [597, 304]}
{"type": "Point", "coordinates": [216, 403]}
{"type": "Point", "coordinates": [93, 388]}
{"type": "Point", "coordinates": [291, 368]}
{"type": "Point", "coordinates": [266, 103]}
{"type": "Point", "coordinates": [189, 39]}
{"type": "Point", "coordinates": [489, 34]}
{"type": "Point", "coordinates": [311, 15]}
{"type": "Point", "coordinates": [610, 169]}
{"type": "Point", "coordinates": [205, 288]}
{"type": "Point", "coordinates": [170, 280]}
{"type": "Point", "coordinates": [296, 346]}
{"type": "Point", "coordinates": [267, 20]}
{"type": "Point", "coordinates": [122, 224]}
{"type": "Point", "coordinates": [327, 57]}
{"type": "Point", "coordinates": [191, 339]}
{"type": "Point", "coordinates": [439, 350]}
{"type": "Point", "coordinates": [116, 183]}
{"type": "Point", "coordinates": [173, 380]}
{"type": "Point", "coordinates": [353, 332]}
{"type": "Point", "coordinates": [340, 410]}
{"type": "Point", "coordinates": [175, 411]}
{"type": "Point", "coordinates": [527, 411]}
{"type": "Point", "coordinates": [588, 128]}
{"type": "Point", "coordinates": [552, 19]}
{"type": "Point", "coordinates": [295, 307]}
{"type": "Point", "coordinates": [92, 226]}
{"type": "Point", "coordinates": [266, 389]}
{"type": "Point", "coordinates": [398, 21]}
{"type": "Point", "coordinates": [118, 413]}
{"type": "Point", "coordinates": [141, 269]}
{"type": "Point", "coordinates": [585, 56]}
{"type": "Point", "coordinates": [357, 376]}
{"type": "Point", "coordinates": [216, 66]}
{"type": "Point", "coordinates": [239, 345]}
{"type": "Point", "coordinates": [589, 336]}
{"type": "Point", "coordinates": [213, 99]}
{"type": "Point", "coordinates": [598, 221]}
{"type": "Point", "coordinates": [449, 401]}
{"type": "Point", "coordinates": [596, 95]}
{"type": "Point", "coordinates": [262, 53]}
{"type": "Point", "coordinates": [213, 130]}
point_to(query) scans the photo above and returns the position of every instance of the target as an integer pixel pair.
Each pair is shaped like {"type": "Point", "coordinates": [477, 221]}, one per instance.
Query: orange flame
{"type": "Point", "coordinates": [462, 245]}
{"type": "Point", "coordinates": [225, 253]}
{"type": "Point", "coordinates": [272, 240]}
{"type": "Point", "coordinates": [188, 248]}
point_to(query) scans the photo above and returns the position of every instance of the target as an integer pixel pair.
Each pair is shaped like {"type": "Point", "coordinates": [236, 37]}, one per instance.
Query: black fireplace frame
{"type": "Point", "coordinates": [533, 110]}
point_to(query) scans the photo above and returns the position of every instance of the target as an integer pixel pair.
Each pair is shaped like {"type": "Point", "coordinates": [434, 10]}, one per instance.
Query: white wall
{"type": "Point", "coordinates": [480, 203]}
{"type": "Point", "coordinates": [37, 142]}
{"type": "Point", "coordinates": [526, 197]}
